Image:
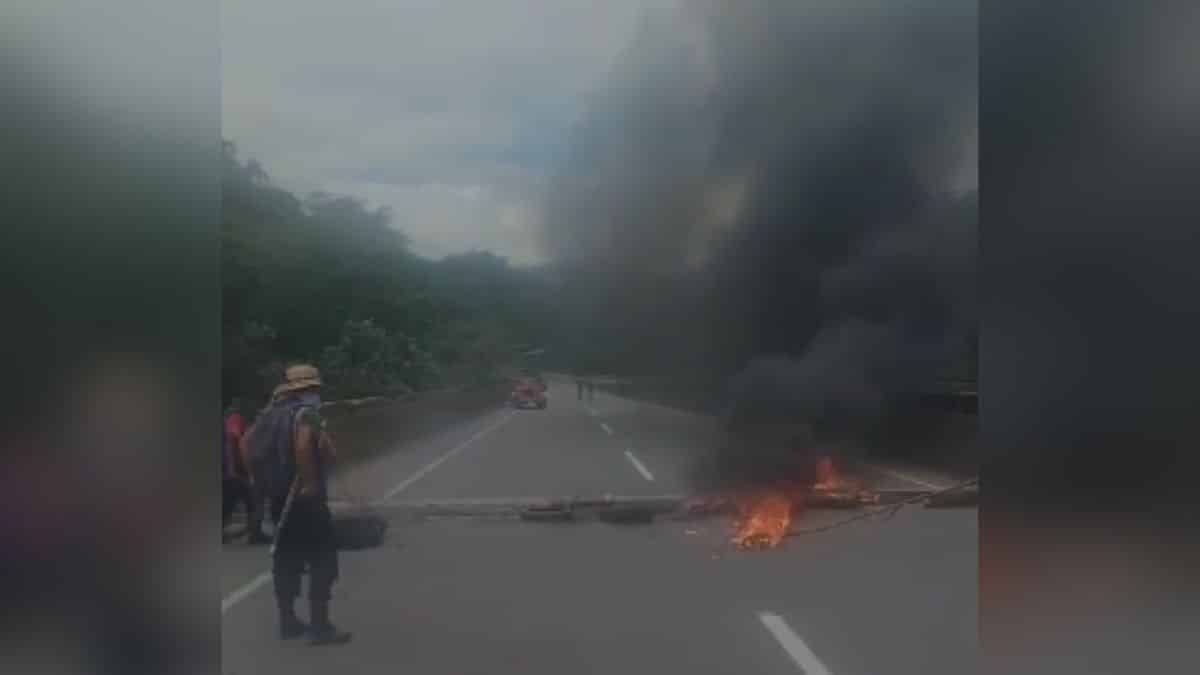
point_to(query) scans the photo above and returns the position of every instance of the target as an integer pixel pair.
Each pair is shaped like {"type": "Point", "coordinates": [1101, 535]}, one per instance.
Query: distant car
{"type": "Point", "coordinates": [529, 393]}
{"type": "Point", "coordinates": [535, 379]}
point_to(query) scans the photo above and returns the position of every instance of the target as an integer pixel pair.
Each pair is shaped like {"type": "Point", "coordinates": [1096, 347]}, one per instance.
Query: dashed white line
{"type": "Point", "coordinates": [607, 429]}
{"type": "Point", "coordinates": [641, 468]}
{"type": "Point", "coordinates": [424, 471]}
{"type": "Point", "coordinates": [261, 580]}
{"type": "Point", "coordinates": [793, 645]}
{"type": "Point", "coordinates": [905, 477]}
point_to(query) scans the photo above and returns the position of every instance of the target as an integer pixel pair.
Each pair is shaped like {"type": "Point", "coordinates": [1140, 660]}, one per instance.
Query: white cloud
{"type": "Point", "coordinates": [448, 112]}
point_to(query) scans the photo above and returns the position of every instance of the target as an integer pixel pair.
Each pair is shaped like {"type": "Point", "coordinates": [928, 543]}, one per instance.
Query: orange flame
{"type": "Point", "coordinates": [765, 516]}
{"type": "Point", "coordinates": [832, 482]}
{"type": "Point", "coordinates": [765, 522]}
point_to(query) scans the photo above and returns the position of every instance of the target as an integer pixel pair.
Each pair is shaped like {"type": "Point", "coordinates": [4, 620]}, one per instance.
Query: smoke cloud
{"type": "Point", "coordinates": [779, 199]}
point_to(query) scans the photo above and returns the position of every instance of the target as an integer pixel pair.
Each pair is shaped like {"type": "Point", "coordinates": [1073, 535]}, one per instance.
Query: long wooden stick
{"type": "Point", "coordinates": [283, 516]}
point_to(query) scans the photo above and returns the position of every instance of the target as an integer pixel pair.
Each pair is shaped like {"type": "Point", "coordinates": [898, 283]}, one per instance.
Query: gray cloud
{"type": "Point", "coordinates": [450, 113]}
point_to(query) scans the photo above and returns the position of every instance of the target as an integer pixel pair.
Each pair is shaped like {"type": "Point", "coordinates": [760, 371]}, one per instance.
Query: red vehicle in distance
{"type": "Point", "coordinates": [529, 393]}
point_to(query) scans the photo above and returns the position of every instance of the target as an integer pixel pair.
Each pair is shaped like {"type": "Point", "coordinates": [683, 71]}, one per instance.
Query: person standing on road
{"type": "Point", "coordinates": [306, 537]}
{"type": "Point", "coordinates": [235, 487]}
{"type": "Point", "coordinates": [254, 495]}
{"type": "Point", "coordinates": [231, 492]}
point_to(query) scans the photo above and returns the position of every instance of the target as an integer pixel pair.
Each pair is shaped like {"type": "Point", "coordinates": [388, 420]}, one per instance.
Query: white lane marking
{"type": "Point", "coordinates": [905, 477]}
{"type": "Point", "coordinates": [793, 645]}
{"type": "Point", "coordinates": [249, 587]}
{"type": "Point", "coordinates": [424, 471]}
{"type": "Point", "coordinates": [259, 581]}
{"type": "Point", "coordinates": [639, 466]}
{"type": "Point", "coordinates": [607, 429]}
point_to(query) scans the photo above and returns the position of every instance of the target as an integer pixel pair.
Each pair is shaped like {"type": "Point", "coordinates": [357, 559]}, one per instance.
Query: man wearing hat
{"type": "Point", "coordinates": [306, 537]}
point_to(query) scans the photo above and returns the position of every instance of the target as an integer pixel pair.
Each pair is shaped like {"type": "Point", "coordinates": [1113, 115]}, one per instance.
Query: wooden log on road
{"type": "Point", "coordinates": [964, 497]}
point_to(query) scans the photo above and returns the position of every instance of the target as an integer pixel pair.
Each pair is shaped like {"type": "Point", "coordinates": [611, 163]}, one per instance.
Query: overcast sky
{"type": "Point", "coordinates": [450, 112]}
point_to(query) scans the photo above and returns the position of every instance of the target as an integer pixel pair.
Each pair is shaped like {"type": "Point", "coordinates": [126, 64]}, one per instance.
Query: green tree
{"type": "Point", "coordinates": [328, 279]}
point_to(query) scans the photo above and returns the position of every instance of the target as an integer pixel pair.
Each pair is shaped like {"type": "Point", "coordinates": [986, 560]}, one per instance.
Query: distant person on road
{"type": "Point", "coordinates": [579, 388]}
{"type": "Point", "coordinates": [306, 537]}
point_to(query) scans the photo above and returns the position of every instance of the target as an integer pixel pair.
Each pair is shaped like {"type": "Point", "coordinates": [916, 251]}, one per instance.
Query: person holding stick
{"type": "Point", "coordinates": [298, 456]}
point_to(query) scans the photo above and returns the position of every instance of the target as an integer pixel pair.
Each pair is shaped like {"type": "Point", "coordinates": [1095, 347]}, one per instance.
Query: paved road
{"type": "Point", "coordinates": [463, 597]}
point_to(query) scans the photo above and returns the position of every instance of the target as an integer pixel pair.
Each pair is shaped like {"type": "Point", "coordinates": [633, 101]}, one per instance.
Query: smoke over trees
{"type": "Point", "coordinates": [782, 188]}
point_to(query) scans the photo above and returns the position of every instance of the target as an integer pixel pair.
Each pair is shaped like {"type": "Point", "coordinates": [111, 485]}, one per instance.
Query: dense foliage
{"type": "Point", "coordinates": [326, 279]}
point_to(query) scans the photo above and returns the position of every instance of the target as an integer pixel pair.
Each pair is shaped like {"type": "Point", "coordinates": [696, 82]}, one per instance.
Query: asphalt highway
{"type": "Point", "coordinates": [485, 596]}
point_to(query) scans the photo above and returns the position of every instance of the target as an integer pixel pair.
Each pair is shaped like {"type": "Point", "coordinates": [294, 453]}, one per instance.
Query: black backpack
{"type": "Point", "coordinates": [269, 448]}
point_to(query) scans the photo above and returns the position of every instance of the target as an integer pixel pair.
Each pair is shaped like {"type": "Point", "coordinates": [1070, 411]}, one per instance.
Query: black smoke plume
{"type": "Point", "coordinates": [779, 195]}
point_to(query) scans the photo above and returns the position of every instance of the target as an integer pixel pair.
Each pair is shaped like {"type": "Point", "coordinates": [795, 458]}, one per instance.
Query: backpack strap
{"type": "Point", "coordinates": [295, 423]}
{"type": "Point", "coordinates": [295, 419]}
{"type": "Point", "coordinates": [300, 410]}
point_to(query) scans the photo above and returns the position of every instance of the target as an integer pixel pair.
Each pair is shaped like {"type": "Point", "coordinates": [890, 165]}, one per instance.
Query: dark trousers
{"type": "Point", "coordinates": [306, 541]}
{"type": "Point", "coordinates": [233, 492]}
{"type": "Point", "coordinates": [256, 509]}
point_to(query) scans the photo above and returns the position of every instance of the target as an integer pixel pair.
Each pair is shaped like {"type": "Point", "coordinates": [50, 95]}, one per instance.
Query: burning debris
{"type": "Point", "coordinates": [765, 522]}
{"type": "Point", "coordinates": [765, 516]}
{"type": "Point", "coordinates": [832, 485]}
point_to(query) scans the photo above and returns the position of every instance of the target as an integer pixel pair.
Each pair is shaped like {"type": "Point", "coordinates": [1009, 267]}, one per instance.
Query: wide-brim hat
{"type": "Point", "coordinates": [298, 378]}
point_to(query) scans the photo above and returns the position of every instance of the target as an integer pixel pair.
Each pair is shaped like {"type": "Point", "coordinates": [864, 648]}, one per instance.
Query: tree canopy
{"type": "Point", "coordinates": [328, 279]}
